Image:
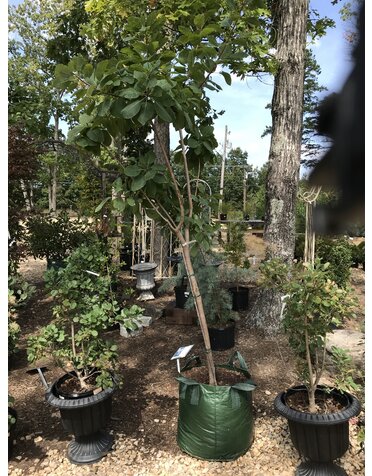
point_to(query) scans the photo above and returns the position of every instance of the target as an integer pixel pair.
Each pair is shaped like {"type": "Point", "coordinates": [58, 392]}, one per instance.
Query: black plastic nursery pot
{"type": "Point", "coordinates": [319, 438]}
{"type": "Point", "coordinates": [215, 423]}
{"type": "Point", "coordinates": [181, 298]}
{"type": "Point", "coordinates": [223, 216]}
{"type": "Point", "coordinates": [86, 417]}
{"type": "Point", "coordinates": [222, 338]}
{"type": "Point", "coordinates": [240, 298]}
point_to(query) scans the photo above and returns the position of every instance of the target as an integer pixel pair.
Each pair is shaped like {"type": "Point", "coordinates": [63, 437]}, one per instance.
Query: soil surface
{"type": "Point", "coordinates": [145, 409]}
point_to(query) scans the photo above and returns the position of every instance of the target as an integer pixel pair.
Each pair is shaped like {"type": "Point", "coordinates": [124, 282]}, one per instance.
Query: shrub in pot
{"type": "Point", "coordinates": [129, 321]}
{"type": "Point", "coordinates": [240, 277]}
{"type": "Point", "coordinates": [217, 301]}
{"type": "Point", "coordinates": [317, 415]}
{"type": "Point", "coordinates": [83, 309]}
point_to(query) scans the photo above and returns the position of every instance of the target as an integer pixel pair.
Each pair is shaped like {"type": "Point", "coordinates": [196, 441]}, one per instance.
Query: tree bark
{"type": "Point", "coordinates": [53, 170]}
{"type": "Point", "coordinates": [290, 18]}
{"type": "Point", "coordinates": [161, 239]}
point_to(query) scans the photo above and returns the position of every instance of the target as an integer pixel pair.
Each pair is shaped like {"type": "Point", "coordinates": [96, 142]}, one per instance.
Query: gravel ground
{"type": "Point", "coordinates": [144, 420]}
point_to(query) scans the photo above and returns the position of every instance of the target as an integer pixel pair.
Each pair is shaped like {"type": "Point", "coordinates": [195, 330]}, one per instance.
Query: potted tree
{"type": "Point", "coordinates": [83, 309]}
{"type": "Point", "coordinates": [160, 78]}
{"type": "Point", "coordinates": [317, 415]}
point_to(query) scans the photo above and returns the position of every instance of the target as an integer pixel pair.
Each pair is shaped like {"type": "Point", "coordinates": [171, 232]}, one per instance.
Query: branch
{"type": "Point", "coordinates": [173, 177]}
{"type": "Point", "coordinates": [168, 219]}
{"type": "Point", "coordinates": [187, 174]}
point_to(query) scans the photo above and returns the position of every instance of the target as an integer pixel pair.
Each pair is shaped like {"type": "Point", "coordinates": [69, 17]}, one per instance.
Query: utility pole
{"type": "Point", "coordinates": [223, 171]}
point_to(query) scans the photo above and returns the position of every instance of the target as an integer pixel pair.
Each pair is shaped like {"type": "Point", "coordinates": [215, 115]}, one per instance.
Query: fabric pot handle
{"type": "Point", "coordinates": [193, 361]}
{"type": "Point", "coordinates": [238, 356]}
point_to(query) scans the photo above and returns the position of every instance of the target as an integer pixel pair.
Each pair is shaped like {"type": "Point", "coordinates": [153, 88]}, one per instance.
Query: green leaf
{"type": "Point", "coordinates": [138, 183]}
{"type": "Point", "coordinates": [163, 113]}
{"type": "Point", "coordinates": [96, 135]}
{"type": "Point", "coordinates": [147, 113]}
{"type": "Point", "coordinates": [102, 204]}
{"type": "Point", "coordinates": [118, 185]}
{"type": "Point", "coordinates": [199, 20]}
{"type": "Point", "coordinates": [132, 109]}
{"type": "Point", "coordinates": [227, 77]}
{"type": "Point", "coordinates": [132, 171]}
{"type": "Point", "coordinates": [131, 201]}
{"type": "Point", "coordinates": [130, 93]}
{"type": "Point", "coordinates": [119, 204]}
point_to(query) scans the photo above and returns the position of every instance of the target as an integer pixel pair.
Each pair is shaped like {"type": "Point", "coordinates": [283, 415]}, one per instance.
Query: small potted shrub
{"type": "Point", "coordinates": [317, 415]}
{"type": "Point", "coordinates": [130, 321]}
{"type": "Point", "coordinates": [83, 309]}
{"type": "Point", "coordinates": [54, 238]}
{"type": "Point", "coordinates": [217, 302]}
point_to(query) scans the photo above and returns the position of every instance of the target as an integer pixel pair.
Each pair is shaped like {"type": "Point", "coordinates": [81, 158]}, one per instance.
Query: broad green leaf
{"type": "Point", "coordinates": [132, 170]}
{"type": "Point", "coordinates": [132, 109]}
{"type": "Point", "coordinates": [138, 183]}
{"type": "Point", "coordinates": [131, 201]}
{"type": "Point", "coordinates": [147, 113]}
{"type": "Point", "coordinates": [163, 113]}
{"type": "Point", "coordinates": [130, 93]}
{"type": "Point", "coordinates": [119, 204]}
{"type": "Point", "coordinates": [96, 135]}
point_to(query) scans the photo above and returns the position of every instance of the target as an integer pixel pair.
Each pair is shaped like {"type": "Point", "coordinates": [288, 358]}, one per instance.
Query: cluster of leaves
{"type": "Point", "coordinates": [19, 293]}
{"type": "Point", "coordinates": [11, 418]}
{"type": "Point", "coordinates": [358, 253]}
{"type": "Point", "coordinates": [345, 370]}
{"type": "Point", "coordinates": [84, 307]}
{"type": "Point", "coordinates": [338, 253]}
{"type": "Point", "coordinates": [54, 238]}
{"type": "Point", "coordinates": [313, 304]}
{"type": "Point", "coordinates": [129, 317]}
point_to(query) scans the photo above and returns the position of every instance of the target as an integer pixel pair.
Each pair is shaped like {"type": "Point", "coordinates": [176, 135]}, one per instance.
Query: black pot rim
{"type": "Point", "coordinates": [352, 408]}
{"type": "Point", "coordinates": [53, 398]}
{"type": "Point", "coordinates": [221, 327]}
{"type": "Point", "coordinates": [238, 289]}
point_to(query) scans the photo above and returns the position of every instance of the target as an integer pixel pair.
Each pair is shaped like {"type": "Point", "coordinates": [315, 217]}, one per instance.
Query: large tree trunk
{"type": "Point", "coordinates": [161, 235]}
{"type": "Point", "coordinates": [290, 17]}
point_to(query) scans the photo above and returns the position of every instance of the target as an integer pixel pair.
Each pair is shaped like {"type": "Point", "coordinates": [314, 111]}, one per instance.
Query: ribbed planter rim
{"type": "Point", "coordinates": [52, 398]}
{"type": "Point", "coordinates": [352, 409]}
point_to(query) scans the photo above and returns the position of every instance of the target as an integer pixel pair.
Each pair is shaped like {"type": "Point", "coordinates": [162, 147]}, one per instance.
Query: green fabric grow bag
{"type": "Point", "coordinates": [216, 422]}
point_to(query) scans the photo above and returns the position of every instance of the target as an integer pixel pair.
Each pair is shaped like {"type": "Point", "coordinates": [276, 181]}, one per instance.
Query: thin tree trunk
{"type": "Point", "coordinates": [25, 195]}
{"type": "Point", "coordinates": [290, 18]}
{"type": "Point", "coordinates": [160, 241]}
{"type": "Point", "coordinates": [53, 169]}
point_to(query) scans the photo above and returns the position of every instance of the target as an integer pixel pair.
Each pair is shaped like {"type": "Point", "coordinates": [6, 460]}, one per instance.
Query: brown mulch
{"type": "Point", "coordinates": [145, 408]}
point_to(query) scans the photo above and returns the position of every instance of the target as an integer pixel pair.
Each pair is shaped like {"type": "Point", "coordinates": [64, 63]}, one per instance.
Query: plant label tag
{"type": "Point", "coordinates": [91, 272]}
{"type": "Point", "coordinates": [180, 354]}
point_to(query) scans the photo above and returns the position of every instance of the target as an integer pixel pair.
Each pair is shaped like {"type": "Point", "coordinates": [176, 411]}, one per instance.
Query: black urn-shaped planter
{"type": "Point", "coordinates": [222, 338]}
{"type": "Point", "coordinates": [240, 298]}
{"type": "Point", "coordinates": [86, 417]}
{"type": "Point", "coordinates": [319, 438]}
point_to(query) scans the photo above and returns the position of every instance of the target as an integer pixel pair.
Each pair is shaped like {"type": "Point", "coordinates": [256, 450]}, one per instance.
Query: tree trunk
{"type": "Point", "coordinates": [161, 239]}
{"type": "Point", "coordinates": [290, 18]}
{"type": "Point", "coordinates": [53, 170]}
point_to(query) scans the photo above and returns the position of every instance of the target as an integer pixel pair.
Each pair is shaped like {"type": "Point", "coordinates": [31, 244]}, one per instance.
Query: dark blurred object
{"type": "Point", "coordinates": [341, 117]}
